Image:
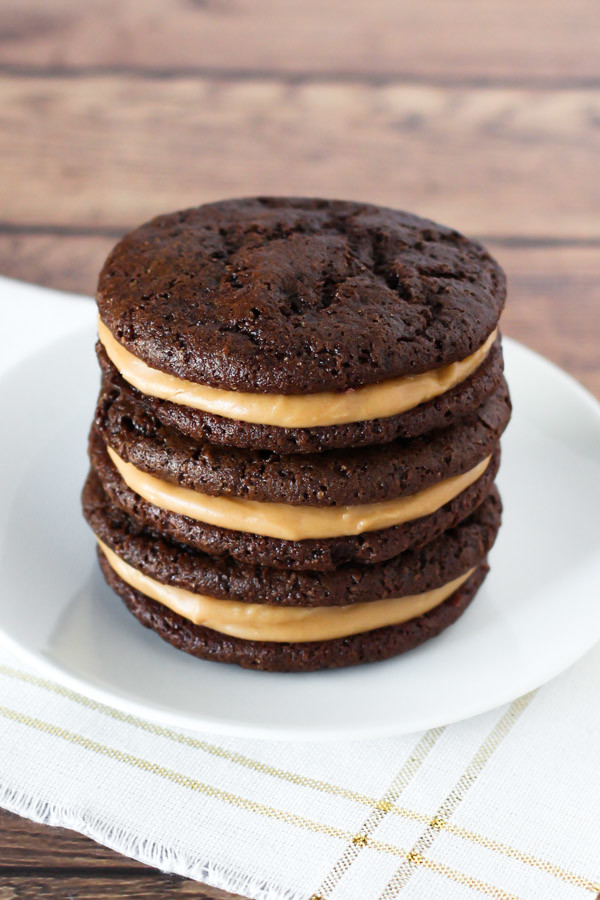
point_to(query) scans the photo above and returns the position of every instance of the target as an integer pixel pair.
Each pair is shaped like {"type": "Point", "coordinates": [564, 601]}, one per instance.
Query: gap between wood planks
{"type": "Point", "coordinates": [516, 241]}
{"type": "Point", "coordinates": [342, 76]}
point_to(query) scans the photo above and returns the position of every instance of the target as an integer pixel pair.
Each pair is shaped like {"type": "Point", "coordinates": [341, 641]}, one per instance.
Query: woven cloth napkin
{"type": "Point", "coordinates": [504, 805]}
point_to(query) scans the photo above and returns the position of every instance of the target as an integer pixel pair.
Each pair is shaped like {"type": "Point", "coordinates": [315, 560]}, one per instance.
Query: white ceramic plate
{"type": "Point", "coordinates": [538, 611]}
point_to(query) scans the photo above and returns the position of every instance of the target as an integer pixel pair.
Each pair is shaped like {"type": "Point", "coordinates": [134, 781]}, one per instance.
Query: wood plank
{"type": "Point", "coordinates": [441, 39]}
{"type": "Point", "coordinates": [82, 887]}
{"type": "Point", "coordinates": [28, 845]}
{"type": "Point", "coordinates": [554, 305]}
{"type": "Point", "coordinates": [109, 152]}
{"type": "Point", "coordinates": [70, 263]}
{"type": "Point", "coordinates": [37, 861]}
{"type": "Point", "coordinates": [554, 291]}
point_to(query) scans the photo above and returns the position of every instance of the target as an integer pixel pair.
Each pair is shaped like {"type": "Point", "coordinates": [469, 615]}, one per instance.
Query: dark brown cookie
{"type": "Point", "coordinates": [293, 657]}
{"type": "Point", "coordinates": [333, 478]}
{"type": "Point", "coordinates": [295, 296]}
{"type": "Point", "coordinates": [412, 572]}
{"type": "Point", "coordinates": [319, 555]}
{"type": "Point", "coordinates": [440, 412]}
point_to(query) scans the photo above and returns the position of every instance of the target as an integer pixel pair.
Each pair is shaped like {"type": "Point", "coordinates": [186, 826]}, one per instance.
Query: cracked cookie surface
{"type": "Point", "coordinates": [294, 296]}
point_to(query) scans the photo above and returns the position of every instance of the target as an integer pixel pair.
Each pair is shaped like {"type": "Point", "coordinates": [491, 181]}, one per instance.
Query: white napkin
{"type": "Point", "coordinates": [504, 805]}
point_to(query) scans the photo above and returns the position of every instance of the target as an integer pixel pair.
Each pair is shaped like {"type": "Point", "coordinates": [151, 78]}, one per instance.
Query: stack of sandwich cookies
{"type": "Point", "coordinates": [295, 444]}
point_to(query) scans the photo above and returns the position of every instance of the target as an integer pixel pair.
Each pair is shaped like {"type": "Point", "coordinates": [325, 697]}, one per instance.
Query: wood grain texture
{"type": "Point", "coordinates": [68, 262]}
{"type": "Point", "coordinates": [509, 40]}
{"type": "Point", "coordinates": [25, 845]}
{"type": "Point", "coordinates": [37, 861]}
{"type": "Point", "coordinates": [554, 305]}
{"type": "Point", "coordinates": [82, 887]}
{"type": "Point", "coordinates": [110, 152]}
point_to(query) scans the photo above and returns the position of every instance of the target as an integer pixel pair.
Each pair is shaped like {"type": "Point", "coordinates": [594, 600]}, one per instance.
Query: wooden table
{"type": "Point", "coordinates": [483, 115]}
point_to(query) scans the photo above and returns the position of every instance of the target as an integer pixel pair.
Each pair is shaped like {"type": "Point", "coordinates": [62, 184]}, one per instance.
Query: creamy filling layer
{"type": "Point", "coordinates": [372, 401]}
{"type": "Point", "coordinates": [260, 622]}
{"type": "Point", "coordinates": [292, 523]}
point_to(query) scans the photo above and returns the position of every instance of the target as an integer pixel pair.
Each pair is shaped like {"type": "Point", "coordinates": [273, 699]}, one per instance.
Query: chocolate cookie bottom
{"type": "Point", "coordinates": [441, 412]}
{"type": "Point", "coordinates": [412, 572]}
{"type": "Point", "coordinates": [332, 478]}
{"type": "Point", "coordinates": [370, 646]}
{"type": "Point", "coordinates": [320, 555]}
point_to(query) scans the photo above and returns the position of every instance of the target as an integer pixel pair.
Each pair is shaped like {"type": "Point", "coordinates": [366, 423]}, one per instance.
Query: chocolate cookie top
{"type": "Point", "coordinates": [289, 295]}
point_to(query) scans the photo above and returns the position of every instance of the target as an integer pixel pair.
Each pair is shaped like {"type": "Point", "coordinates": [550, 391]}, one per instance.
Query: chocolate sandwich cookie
{"type": "Point", "coordinates": [332, 478]}
{"type": "Point", "coordinates": [424, 516]}
{"type": "Point", "coordinates": [294, 656]}
{"type": "Point", "coordinates": [298, 430]}
{"type": "Point", "coordinates": [442, 411]}
{"type": "Point", "coordinates": [437, 563]}
{"type": "Point", "coordinates": [303, 324]}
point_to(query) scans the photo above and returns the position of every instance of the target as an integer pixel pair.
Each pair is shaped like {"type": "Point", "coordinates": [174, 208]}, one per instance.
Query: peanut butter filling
{"type": "Point", "coordinates": [292, 523]}
{"type": "Point", "coordinates": [372, 401]}
{"type": "Point", "coordinates": [261, 622]}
